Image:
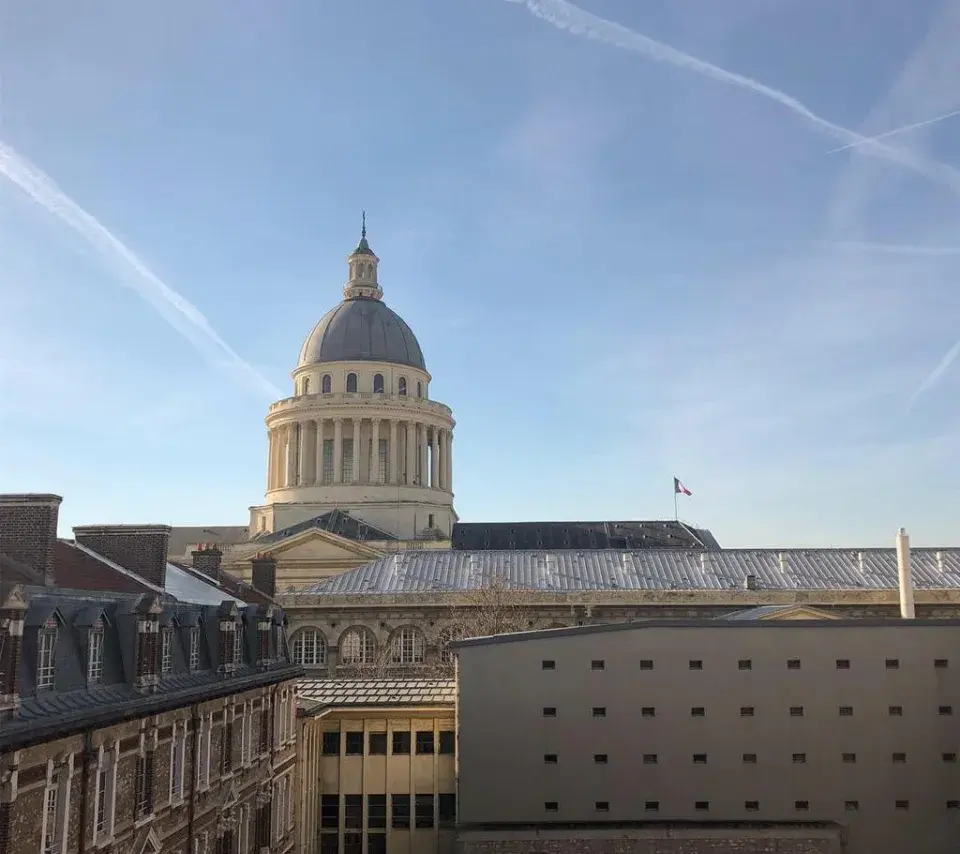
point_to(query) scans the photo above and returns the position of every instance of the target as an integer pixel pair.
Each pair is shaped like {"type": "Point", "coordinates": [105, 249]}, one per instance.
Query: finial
{"type": "Point", "coordinates": [363, 231]}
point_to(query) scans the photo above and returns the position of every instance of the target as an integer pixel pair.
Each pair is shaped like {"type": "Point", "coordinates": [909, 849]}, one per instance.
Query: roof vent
{"type": "Point", "coordinates": [860, 565]}
{"type": "Point", "coordinates": [750, 583]}
{"type": "Point", "coordinates": [939, 556]}
{"type": "Point", "coordinates": [784, 564]}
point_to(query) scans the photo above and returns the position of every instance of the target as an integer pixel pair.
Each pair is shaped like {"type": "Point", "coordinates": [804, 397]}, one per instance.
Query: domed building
{"type": "Point", "coordinates": [360, 435]}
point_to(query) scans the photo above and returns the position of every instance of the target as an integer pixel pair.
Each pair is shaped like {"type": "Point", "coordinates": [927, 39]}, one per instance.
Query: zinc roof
{"type": "Point", "coordinates": [377, 692]}
{"type": "Point", "coordinates": [564, 570]}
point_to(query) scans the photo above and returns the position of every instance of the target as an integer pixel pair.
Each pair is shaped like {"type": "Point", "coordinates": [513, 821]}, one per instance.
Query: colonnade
{"type": "Point", "coordinates": [328, 451]}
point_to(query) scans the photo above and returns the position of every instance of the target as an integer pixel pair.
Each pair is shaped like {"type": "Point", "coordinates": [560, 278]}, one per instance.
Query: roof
{"type": "Point", "coordinates": [580, 535]}
{"type": "Point", "coordinates": [761, 612]}
{"type": "Point", "coordinates": [337, 522]}
{"type": "Point", "coordinates": [13, 572]}
{"type": "Point", "coordinates": [79, 568]}
{"type": "Point", "coordinates": [376, 692]}
{"type": "Point", "coordinates": [562, 571]}
{"type": "Point", "coordinates": [753, 625]}
{"type": "Point", "coordinates": [183, 538]}
{"type": "Point", "coordinates": [187, 585]}
{"type": "Point", "coordinates": [362, 329]}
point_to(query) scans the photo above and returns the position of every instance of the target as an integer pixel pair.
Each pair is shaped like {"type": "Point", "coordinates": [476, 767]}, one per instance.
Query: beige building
{"type": "Point", "coordinates": [377, 769]}
{"type": "Point", "coordinates": [708, 736]}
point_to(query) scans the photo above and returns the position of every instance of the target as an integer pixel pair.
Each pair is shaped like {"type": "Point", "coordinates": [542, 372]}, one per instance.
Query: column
{"type": "Point", "coordinates": [434, 458]}
{"type": "Point", "coordinates": [278, 457]}
{"type": "Point", "coordinates": [303, 457]}
{"type": "Point", "coordinates": [270, 448]}
{"type": "Point", "coordinates": [291, 445]}
{"type": "Point", "coordinates": [338, 450]}
{"type": "Point", "coordinates": [448, 459]}
{"type": "Point", "coordinates": [411, 454]}
{"type": "Point", "coordinates": [355, 474]}
{"type": "Point", "coordinates": [374, 473]}
{"type": "Point", "coordinates": [424, 457]}
{"type": "Point", "coordinates": [393, 451]}
{"type": "Point", "coordinates": [319, 467]}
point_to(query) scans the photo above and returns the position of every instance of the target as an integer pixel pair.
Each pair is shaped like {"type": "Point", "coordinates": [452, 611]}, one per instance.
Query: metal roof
{"type": "Point", "coordinates": [657, 534]}
{"type": "Point", "coordinates": [567, 571]}
{"type": "Point", "coordinates": [377, 692]}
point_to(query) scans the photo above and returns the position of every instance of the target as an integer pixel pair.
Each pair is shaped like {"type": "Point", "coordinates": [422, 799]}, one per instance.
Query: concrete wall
{"type": "Point", "coordinates": [667, 762]}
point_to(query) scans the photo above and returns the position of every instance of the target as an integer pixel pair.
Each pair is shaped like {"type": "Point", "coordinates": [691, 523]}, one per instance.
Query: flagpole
{"type": "Point", "coordinates": [676, 505]}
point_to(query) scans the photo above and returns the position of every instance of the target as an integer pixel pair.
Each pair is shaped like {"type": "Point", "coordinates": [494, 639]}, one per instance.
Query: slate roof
{"type": "Point", "coordinates": [183, 538]}
{"type": "Point", "coordinates": [325, 693]}
{"type": "Point", "coordinates": [567, 571]}
{"type": "Point", "coordinates": [337, 522]}
{"type": "Point", "coordinates": [472, 536]}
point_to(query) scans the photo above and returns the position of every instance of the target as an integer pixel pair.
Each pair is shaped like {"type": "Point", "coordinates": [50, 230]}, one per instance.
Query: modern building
{"type": "Point", "coordinates": [377, 767]}
{"type": "Point", "coordinates": [142, 708]}
{"type": "Point", "coordinates": [711, 735]}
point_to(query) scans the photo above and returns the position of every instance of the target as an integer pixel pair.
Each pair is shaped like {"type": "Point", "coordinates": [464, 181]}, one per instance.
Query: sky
{"type": "Point", "coordinates": [622, 232]}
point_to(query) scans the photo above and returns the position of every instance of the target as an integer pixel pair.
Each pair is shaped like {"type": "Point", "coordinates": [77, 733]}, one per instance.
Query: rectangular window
{"type": "Point", "coordinates": [423, 805]}
{"type": "Point", "coordinates": [549, 758]}
{"type": "Point", "coordinates": [600, 758]}
{"type": "Point", "coordinates": [346, 470]}
{"type": "Point", "coordinates": [330, 811]}
{"type": "Point", "coordinates": [941, 663]}
{"type": "Point", "coordinates": [328, 460]}
{"type": "Point", "coordinates": [546, 664]}
{"type": "Point", "coordinates": [166, 651]}
{"type": "Point", "coordinates": [601, 806]}
{"type": "Point", "coordinates": [646, 664]}
{"type": "Point", "coordinates": [376, 843]}
{"type": "Point", "coordinates": [849, 758]}
{"type": "Point", "coordinates": [448, 742]}
{"type": "Point", "coordinates": [793, 664]}
{"type": "Point", "coordinates": [746, 711]}
{"type": "Point", "coordinates": [382, 460]}
{"type": "Point", "coordinates": [549, 711]}
{"type": "Point", "coordinates": [895, 711]}
{"type": "Point", "coordinates": [843, 664]}
{"type": "Point", "coordinates": [401, 743]}
{"type": "Point", "coordinates": [899, 758]}
{"type": "Point", "coordinates": [846, 711]}
{"type": "Point", "coordinates": [353, 843]}
{"type": "Point", "coordinates": [47, 645]}
{"type": "Point", "coordinates": [178, 743]}
{"type": "Point", "coordinates": [945, 710]}
{"type": "Point", "coordinates": [796, 711]}
{"type": "Point", "coordinates": [598, 664]}
{"type": "Point", "coordinates": [194, 649]}
{"type": "Point", "coordinates": [51, 811]}
{"type": "Point", "coordinates": [354, 743]}
{"type": "Point", "coordinates": [331, 743]}
{"type": "Point", "coordinates": [95, 657]}
{"type": "Point", "coordinates": [699, 758]}
{"type": "Point", "coordinates": [799, 758]}
{"type": "Point", "coordinates": [238, 644]}
{"type": "Point", "coordinates": [203, 752]}
{"type": "Point", "coordinates": [353, 811]}
{"type": "Point", "coordinates": [649, 758]}
{"type": "Point", "coordinates": [698, 712]}
{"type": "Point", "coordinates": [948, 757]}
{"type": "Point", "coordinates": [101, 805]}
{"type": "Point", "coordinates": [695, 664]}
{"type": "Point", "coordinates": [400, 811]}
{"type": "Point", "coordinates": [143, 785]}
{"type": "Point", "coordinates": [651, 806]}
{"type": "Point", "coordinates": [749, 758]}
{"type": "Point", "coordinates": [447, 809]}
{"type": "Point", "coordinates": [902, 805]}
{"type": "Point", "coordinates": [801, 806]}
{"type": "Point", "coordinates": [424, 742]}
{"type": "Point", "coordinates": [599, 711]}
{"type": "Point", "coordinates": [377, 744]}
{"type": "Point", "coordinates": [745, 664]}
{"type": "Point", "coordinates": [953, 805]}
{"type": "Point", "coordinates": [751, 806]}
{"type": "Point", "coordinates": [701, 806]}
{"type": "Point", "coordinates": [551, 806]}
{"type": "Point", "coordinates": [377, 811]}
{"type": "Point", "coordinates": [892, 664]}
{"type": "Point", "coordinates": [648, 712]}
{"type": "Point", "coordinates": [226, 747]}
{"type": "Point", "coordinates": [851, 806]}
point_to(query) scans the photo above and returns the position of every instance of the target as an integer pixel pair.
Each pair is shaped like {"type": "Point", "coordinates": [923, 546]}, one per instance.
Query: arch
{"type": "Point", "coordinates": [309, 647]}
{"type": "Point", "coordinates": [351, 383]}
{"type": "Point", "coordinates": [306, 385]}
{"type": "Point", "coordinates": [444, 638]}
{"type": "Point", "coordinates": [378, 383]}
{"type": "Point", "coordinates": [369, 271]}
{"type": "Point", "coordinates": [407, 646]}
{"type": "Point", "coordinates": [402, 386]}
{"type": "Point", "coordinates": [358, 646]}
{"type": "Point", "coordinates": [325, 384]}
{"type": "Point", "coordinates": [419, 389]}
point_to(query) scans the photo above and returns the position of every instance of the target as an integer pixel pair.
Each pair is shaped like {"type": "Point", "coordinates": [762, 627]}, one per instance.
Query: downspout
{"type": "Point", "coordinates": [84, 798]}
{"type": "Point", "coordinates": [192, 807]}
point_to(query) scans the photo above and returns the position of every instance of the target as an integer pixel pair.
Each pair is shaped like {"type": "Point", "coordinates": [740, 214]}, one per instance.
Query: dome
{"type": "Point", "coordinates": [362, 330]}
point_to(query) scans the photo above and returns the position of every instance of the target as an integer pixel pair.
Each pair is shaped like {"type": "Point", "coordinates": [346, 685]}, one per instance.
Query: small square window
{"type": "Point", "coordinates": [942, 664]}
{"type": "Point", "coordinates": [646, 664]}
{"type": "Point", "coordinates": [649, 758]}
{"type": "Point", "coordinates": [799, 758]}
{"type": "Point", "coordinates": [851, 806]}
{"type": "Point", "coordinates": [695, 664]}
{"type": "Point", "coordinates": [548, 665]}
{"type": "Point", "coordinates": [751, 806]}
{"type": "Point", "coordinates": [749, 758]}
{"type": "Point", "coordinates": [902, 805]}
{"type": "Point", "coordinates": [598, 664]}
{"type": "Point", "coordinates": [601, 806]}
{"type": "Point", "coordinates": [699, 758]}
{"type": "Point", "coordinates": [948, 757]}
{"type": "Point", "coordinates": [745, 664]}
{"type": "Point", "coordinates": [354, 743]}
{"type": "Point", "coordinates": [843, 664]}
{"type": "Point", "coordinates": [893, 664]}
{"type": "Point", "coordinates": [899, 758]}
{"type": "Point", "coordinates": [651, 806]}
{"type": "Point", "coordinates": [648, 712]}
{"type": "Point", "coordinates": [424, 741]}
{"type": "Point", "coordinates": [701, 806]}
{"type": "Point", "coordinates": [549, 711]}
{"type": "Point", "coordinates": [793, 664]}
{"type": "Point", "coordinates": [801, 806]}
{"type": "Point", "coordinates": [698, 711]}
{"type": "Point", "coordinates": [551, 806]}
{"type": "Point", "coordinates": [796, 711]}
{"type": "Point", "coordinates": [953, 805]}
{"type": "Point", "coordinates": [377, 744]}
{"type": "Point", "coordinates": [945, 710]}
{"type": "Point", "coordinates": [600, 758]}
{"type": "Point", "coordinates": [549, 758]}
{"type": "Point", "coordinates": [895, 711]}
{"type": "Point", "coordinates": [849, 758]}
{"type": "Point", "coordinates": [746, 711]}
{"type": "Point", "coordinates": [846, 711]}
{"type": "Point", "coordinates": [448, 742]}
{"type": "Point", "coordinates": [401, 743]}
{"type": "Point", "coordinates": [599, 711]}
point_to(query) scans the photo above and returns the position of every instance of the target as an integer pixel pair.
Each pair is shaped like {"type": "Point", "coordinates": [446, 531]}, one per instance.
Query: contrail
{"type": "Point", "coordinates": [579, 22]}
{"type": "Point", "coordinates": [895, 131]}
{"type": "Point", "coordinates": [936, 373]}
{"type": "Point", "coordinates": [179, 312]}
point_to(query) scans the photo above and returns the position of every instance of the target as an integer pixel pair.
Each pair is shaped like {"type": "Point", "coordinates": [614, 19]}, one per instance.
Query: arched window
{"type": "Point", "coordinates": [419, 389]}
{"type": "Point", "coordinates": [358, 646]}
{"type": "Point", "coordinates": [402, 386]}
{"type": "Point", "coordinates": [351, 383]}
{"type": "Point", "coordinates": [444, 639]}
{"type": "Point", "coordinates": [325, 384]}
{"type": "Point", "coordinates": [309, 648]}
{"type": "Point", "coordinates": [369, 271]}
{"type": "Point", "coordinates": [378, 383]}
{"type": "Point", "coordinates": [306, 385]}
{"type": "Point", "coordinates": [407, 646]}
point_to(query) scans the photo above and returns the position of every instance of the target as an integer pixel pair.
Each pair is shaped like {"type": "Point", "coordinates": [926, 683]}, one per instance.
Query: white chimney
{"type": "Point", "coordinates": [784, 566]}
{"type": "Point", "coordinates": [906, 581]}
{"type": "Point", "coordinates": [940, 561]}
{"type": "Point", "coordinates": [860, 561]}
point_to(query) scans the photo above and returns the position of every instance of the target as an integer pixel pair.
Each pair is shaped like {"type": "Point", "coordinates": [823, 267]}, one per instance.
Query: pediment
{"type": "Point", "coordinates": [314, 544]}
{"type": "Point", "coordinates": [799, 612]}
{"type": "Point", "coordinates": [230, 798]}
{"type": "Point", "coordinates": [148, 843]}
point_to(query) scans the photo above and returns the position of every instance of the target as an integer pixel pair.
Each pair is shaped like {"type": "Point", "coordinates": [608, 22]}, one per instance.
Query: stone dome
{"type": "Point", "coordinates": [362, 329]}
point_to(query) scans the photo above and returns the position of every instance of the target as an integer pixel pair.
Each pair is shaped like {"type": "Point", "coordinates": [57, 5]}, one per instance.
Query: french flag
{"type": "Point", "coordinates": [679, 488]}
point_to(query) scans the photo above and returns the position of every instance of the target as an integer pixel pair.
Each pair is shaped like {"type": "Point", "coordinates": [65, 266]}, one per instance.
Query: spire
{"type": "Point", "coordinates": [362, 282]}
{"type": "Point", "coordinates": [363, 248]}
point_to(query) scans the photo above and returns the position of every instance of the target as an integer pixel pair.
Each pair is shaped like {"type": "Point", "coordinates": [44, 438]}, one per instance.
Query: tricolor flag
{"type": "Point", "coordinates": [679, 488]}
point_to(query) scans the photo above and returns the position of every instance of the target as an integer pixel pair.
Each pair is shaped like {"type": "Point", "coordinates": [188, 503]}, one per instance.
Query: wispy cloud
{"type": "Point", "coordinates": [179, 312]}
{"type": "Point", "coordinates": [896, 131]}
{"type": "Point", "coordinates": [890, 248]}
{"type": "Point", "coordinates": [566, 16]}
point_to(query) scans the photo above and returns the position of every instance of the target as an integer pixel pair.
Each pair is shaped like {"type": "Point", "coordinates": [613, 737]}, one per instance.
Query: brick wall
{"type": "Point", "coordinates": [139, 548]}
{"type": "Point", "coordinates": [28, 528]}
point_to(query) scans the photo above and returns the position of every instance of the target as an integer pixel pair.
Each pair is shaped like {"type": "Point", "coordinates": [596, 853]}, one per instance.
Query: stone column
{"type": "Point", "coordinates": [270, 451]}
{"type": "Point", "coordinates": [434, 458]}
{"type": "Point", "coordinates": [303, 457]}
{"type": "Point", "coordinates": [374, 474]}
{"type": "Point", "coordinates": [338, 450]}
{"type": "Point", "coordinates": [393, 451]}
{"type": "Point", "coordinates": [319, 472]}
{"type": "Point", "coordinates": [411, 454]}
{"type": "Point", "coordinates": [448, 460]}
{"type": "Point", "coordinates": [424, 456]}
{"type": "Point", "coordinates": [355, 474]}
{"type": "Point", "coordinates": [291, 455]}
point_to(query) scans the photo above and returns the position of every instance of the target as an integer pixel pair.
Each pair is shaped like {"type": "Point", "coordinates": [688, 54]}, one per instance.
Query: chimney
{"type": "Point", "coordinates": [206, 559]}
{"type": "Point", "coordinates": [906, 581]}
{"type": "Point", "coordinates": [139, 548]}
{"type": "Point", "coordinates": [784, 565]}
{"type": "Point", "coordinates": [28, 529]}
{"type": "Point", "coordinates": [147, 613]}
{"type": "Point", "coordinates": [750, 582]}
{"type": "Point", "coordinates": [265, 574]}
{"type": "Point", "coordinates": [12, 614]}
{"type": "Point", "coordinates": [939, 556]}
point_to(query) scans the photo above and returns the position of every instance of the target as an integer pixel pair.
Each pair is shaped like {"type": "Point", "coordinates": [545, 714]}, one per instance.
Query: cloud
{"type": "Point", "coordinates": [890, 248]}
{"type": "Point", "coordinates": [896, 131]}
{"type": "Point", "coordinates": [179, 312]}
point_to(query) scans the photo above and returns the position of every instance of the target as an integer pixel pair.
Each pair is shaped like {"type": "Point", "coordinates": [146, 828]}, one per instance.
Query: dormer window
{"type": "Point", "coordinates": [378, 383]}
{"type": "Point", "coordinates": [351, 383]}
{"type": "Point", "coordinates": [166, 651]}
{"type": "Point", "coordinates": [194, 649]}
{"type": "Point", "coordinates": [46, 653]}
{"type": "Point", "coordinates": [402, 387]}
{"type": "Point", "coordinates": [306, 385]}
{"type": "Point", "coordinates": [238, 644]}
{"type": "Point", "coordinates": [325, 384]}
{"type": "Point", "coordinates": [95, 654]}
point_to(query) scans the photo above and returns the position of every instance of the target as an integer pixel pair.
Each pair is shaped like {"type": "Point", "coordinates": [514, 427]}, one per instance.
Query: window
{"type": "Point", "coordinates": [423, 811]}
{"type": "Point", "coordinates": [327, 471]}
{"type": "Point", "coordinates": [948, 757]}
{"type": "Point", "coordinates": [448, 741]}
{"type": "Point", "coordinates": [358, 646]}
{"type": "Point", "coordinates": [354, 743]}
{"type": "Point", "coordinates": [424, 742]}
{"type": "Point", "coordinates": [378, 471]}
{"type": "Point", "coordinates": [331, 743]}
{"type": "Point", "coordinates": [598, 664]}
{"type": "Point", "coordinates": [941, 663]}
{"type": "Point", "coordinates": [407, 646]}
{"type": "Point", "coordinates": [799, 758]}
{"type": "Point", "coordinates": [699, 758]}
{"type": "Point", "coordinates": [309, 648]}
{"type": "Point", "coordinates": [143, 785]}
{"type": "Point", "coordinates": [695, 664]}
{"type": "Point", "coordinates": [325, 384]}
{"type": "Point", "coordinates": [846, 711]}
{"type": "Point", "coordinates": [226, 746]}
{"type": "Point", "coordinates": [346, 466]}
{"type": "Point", "coordinates": [447, 809]}
{"type": "Point", "coordinates": [549, 758]}
{"type": "Point", "coordinates": [801, 806]}
{"type": "Point", "coordinates": [306, 385]}
{"type": "Point", "coordinates": [402, 386]}
{"type": "Point", "coordinates": [600, 758]}
{"type": "Point", "coordinates": [549, 711]}
{"type": "Point", "coordinates": [203, 752]}
{"type": "Point", "coordinates": [548, 665]}
{"type": "Point", "coordinates": [178, 745]}
{"type": "Point", "coordinates": [401, 743]}
{"type": "Point", "coordinates": [749, 758]}
{"type": "Point", "coordinates": [100, 822]}
{"type": "Point", "coordinates": [46, 653]}
{"type": "Point", "coordinates": [648, 712]}
{"type": "Point", "coordinates": [601, 806]}
{"type": "Point", "coordinates": [351, 383]}
{"type": "Point", "coordinates": [353, 811]}
{"type": "Point", "coordinates": [377, 811]}
{"type": "Point", "coordinates": [892, 664]}
{"type": "Point", "coordinates": [849, 758]}
{"type": "Point", "coordinates": [400, 811]}
{"type": "Point", "coordinates": [599, 711]}
{"type": "Point", "coordinates": [166, 651]}
{"type": "Point", "coordinates": [646, 664]}
{"type": "Point", "coordinates": [194, 649]}
{"type": "Point", "coordinates": [796, 711]}
{"type": "Point", "coordinates": [945, 710]}
{"type": "Point", "coordinates": [793, 664]}
{"type": "Point", "coordinates": [902, 805]}
{"type": "Point", "coordinates": [238, 632]}
{"type": "Point", "coordinates": [106, 785]}
{"type": "Point", "coordinates": [851, 806]}
{"type": "Point", "coordinates": [650, 759]}
{"type": "Point", "coordinates": [701, 806]}
{"type": "Point", "coordinates": [419, 389]}
{"type": "Point", "coordinates": [330, 811]}
{"type": "Point", "coordinates": [651, 806]}
{"type": "Point", "coordinates": [895, 711]}
{"type": "Point", "coordinates": [51, 816]}
{"type": "Point", "coordinates": [376, 843]}
{"type": "Point", "coordinates": [899, 758]}
{"type": "Point", "coordinates": [551, 806]}
{"type": "Point", "coordinates": [377, 744]}
{"type": "Point", "coordinates": [95, 654]}
{"type": "Point", "coordinates": [843, 664]}
{"type": "Point", "coordinates": [751, 806]}
{"type": "Point", "coordinates": [953, 805]}
{"type": "Point", "coordinates": [746, 711]}
{"type": "Point", "coordinates": [698, 712]}
{"type": "Point", "coordinates": [745, 664]}
{"type": "Point", "coordinates": [378, 383]}
{"type": "Point", "coordinates": [353, 843]}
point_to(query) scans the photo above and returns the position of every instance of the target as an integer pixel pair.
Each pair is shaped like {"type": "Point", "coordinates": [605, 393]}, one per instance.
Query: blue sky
{"type": "Point", "coordinates": [622, 264]}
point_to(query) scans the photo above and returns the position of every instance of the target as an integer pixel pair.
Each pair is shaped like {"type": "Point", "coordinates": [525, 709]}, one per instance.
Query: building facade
{"type": "Point", "coordinates": [377, 767]}
{"type": "Point", "coordinates": [708, 736]}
